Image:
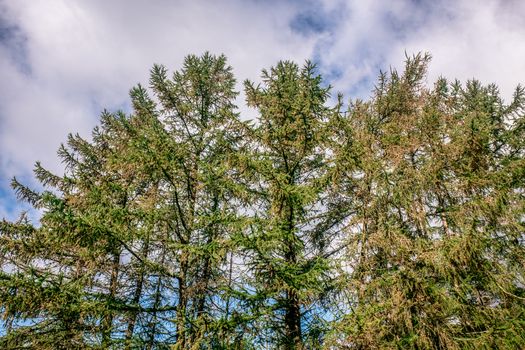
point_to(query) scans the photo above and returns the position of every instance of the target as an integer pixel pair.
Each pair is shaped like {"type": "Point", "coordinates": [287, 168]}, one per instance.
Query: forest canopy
{"type": "Point", "coordinates": [396, 222]}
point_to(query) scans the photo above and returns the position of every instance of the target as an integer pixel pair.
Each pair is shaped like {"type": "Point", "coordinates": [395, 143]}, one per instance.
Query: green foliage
{"type": "Point", "coordinates": [287, 162]}
{"type": "Point", "coordinates": [398, 223]}
{"type": "Point", "coordinates": [436, 241]}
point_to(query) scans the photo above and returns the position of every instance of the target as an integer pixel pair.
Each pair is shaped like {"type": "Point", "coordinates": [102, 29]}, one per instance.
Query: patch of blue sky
{"type": "Point", "coordinates": [10, 207]}
{"type": "Point", "coordinates": [7, 199]}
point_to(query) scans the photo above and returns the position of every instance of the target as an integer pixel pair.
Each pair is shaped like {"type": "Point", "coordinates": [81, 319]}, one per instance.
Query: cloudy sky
{"type": "Point", "coordinates": [63, 61]}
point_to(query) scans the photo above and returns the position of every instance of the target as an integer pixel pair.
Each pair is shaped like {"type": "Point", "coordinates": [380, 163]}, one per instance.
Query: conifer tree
{"type": "Point", "coordinates": [436, 241]}
{"type": "Point", "coordinates": [134, 235]}
{"type": "Point", "coordinates": [287, 162]}
{"type": "Point", "coordinates": [201, 134]}
{"type": "Point", "coordinates": [70, 265]}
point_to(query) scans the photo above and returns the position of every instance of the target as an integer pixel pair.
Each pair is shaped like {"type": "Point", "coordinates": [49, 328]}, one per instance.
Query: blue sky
{"type": "Point", "coordinates": [63, 61]}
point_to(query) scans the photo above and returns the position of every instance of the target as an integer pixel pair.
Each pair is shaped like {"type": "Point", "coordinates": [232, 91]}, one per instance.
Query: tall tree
{"type": "Point", "coordinates": [437, 235]}
{"type": "Point", "coordinates": [135, 235]}
{"type": "Point", "coordinates": [287, 162]}
{"type": "Point", "coordinates": [200, 135]}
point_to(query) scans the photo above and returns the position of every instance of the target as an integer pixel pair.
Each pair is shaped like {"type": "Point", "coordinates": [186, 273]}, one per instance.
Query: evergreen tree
{"type": "Point", "coordinates": [436, 241]}
{"type": "Point", "coordinates": [287, 240]}
{"type": "Point", "coordinates": [200, 137]}
{"type": "Point", "coordinates": [134, 235]}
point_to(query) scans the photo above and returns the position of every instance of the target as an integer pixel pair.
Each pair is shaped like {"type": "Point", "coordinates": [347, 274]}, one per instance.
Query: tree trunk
{"type": "Point", "coordinates": [183, 301]}
{"type": "Point", "coordinates": [136, 299]}
{"type": "Point", "coordinates": [293, 322]}
{"type": "Point", "coordinates": [153, 323]}
{"type": "Point", "coordinates": [292, 318]}
{"type": "Point", "coordinates": [107, 323]}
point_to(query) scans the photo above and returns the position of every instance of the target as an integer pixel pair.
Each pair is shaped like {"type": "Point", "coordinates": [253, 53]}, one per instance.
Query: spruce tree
{"type": "Point", "coordinates": [132, 245]}
{"type": "Point", "coordinates": [200, 136]}
{"type": "Point", "coordinates": [435, 245]}
{"type": "Point", "coordinates": [286, 241]}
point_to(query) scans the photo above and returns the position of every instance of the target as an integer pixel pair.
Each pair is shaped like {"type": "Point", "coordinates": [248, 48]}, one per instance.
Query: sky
{"type": "Point", "coordinates": [63, 61]}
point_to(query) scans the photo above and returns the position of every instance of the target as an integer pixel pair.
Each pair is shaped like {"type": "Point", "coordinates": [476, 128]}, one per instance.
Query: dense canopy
{"type": "Point", "coordinates": [392, 223]}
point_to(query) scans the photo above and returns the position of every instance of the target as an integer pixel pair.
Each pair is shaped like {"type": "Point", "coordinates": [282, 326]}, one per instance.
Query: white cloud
{"type": "Point", "coordinates": [482, 42]}
{"type": "Point", "coordinates": [466, 39]}
{"type": "Point", "coordinates": [82, 56]}
{"type": "Point", "coordinates": [73, 58]}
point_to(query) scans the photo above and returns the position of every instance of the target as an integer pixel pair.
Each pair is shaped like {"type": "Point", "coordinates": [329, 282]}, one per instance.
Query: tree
{"type": "Point", "coordinates": [436, 242]}
{"type": "Point", "coordinates": [135, 233]}
{"type": "Point", "coordinates": [287, 240]}
{"type": "Point", "coordinates": [201, 134]}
